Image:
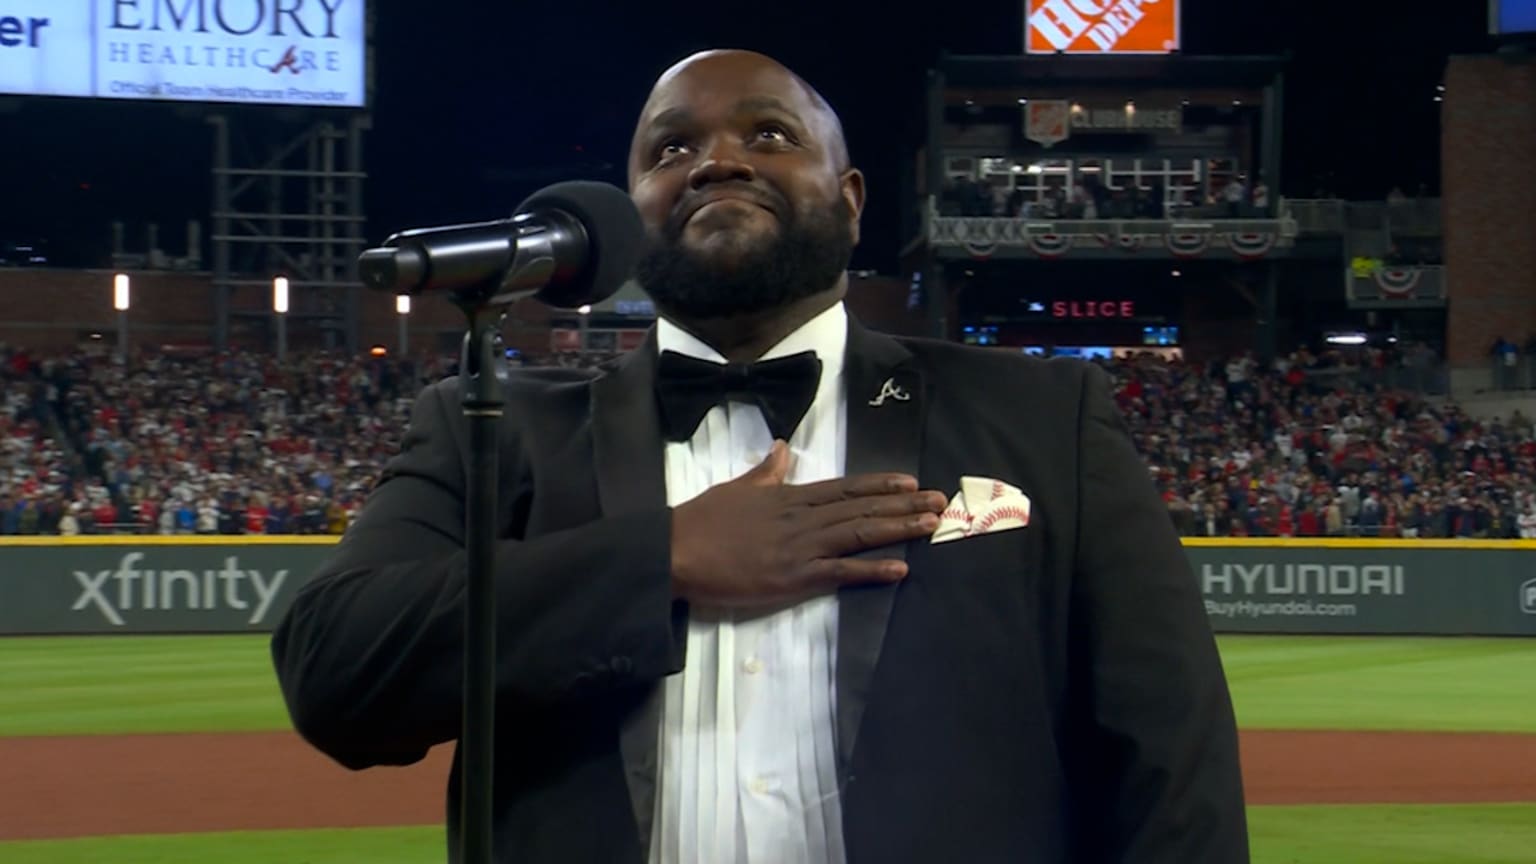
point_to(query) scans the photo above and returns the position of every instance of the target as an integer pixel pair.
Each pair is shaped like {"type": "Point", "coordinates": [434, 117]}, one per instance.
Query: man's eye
{"type": "Point", "coordinates": [773, 133]}
{"type": "Point", "coordinates": [671, 148]}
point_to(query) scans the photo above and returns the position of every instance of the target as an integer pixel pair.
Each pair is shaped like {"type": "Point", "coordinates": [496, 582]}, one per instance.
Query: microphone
{"type": "Point", "coordinates": [570, 244]}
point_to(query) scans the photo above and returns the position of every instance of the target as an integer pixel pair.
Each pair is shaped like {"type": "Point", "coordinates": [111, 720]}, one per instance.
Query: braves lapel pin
{"type": "Point", "coordinates": [889, 390]}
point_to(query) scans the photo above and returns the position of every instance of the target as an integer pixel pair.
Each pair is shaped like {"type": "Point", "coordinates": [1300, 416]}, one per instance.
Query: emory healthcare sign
{"type": "Point", "coordinates": [275, 52]}
{"type": "Point", "coordinates": [1101, 26]}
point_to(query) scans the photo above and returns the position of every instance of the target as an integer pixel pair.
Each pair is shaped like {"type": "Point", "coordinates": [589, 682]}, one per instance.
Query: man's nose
{"type": "Point", "coordinates": [721, 162]}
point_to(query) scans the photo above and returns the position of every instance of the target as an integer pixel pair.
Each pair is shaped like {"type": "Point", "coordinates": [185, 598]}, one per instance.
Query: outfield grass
{"type": "Point", "coordinates": [1378, 683]}
{"type": "Point", "coordinates": [1397, 834]}
{"type": "Point", "coordinates": [65, 685]}
{"type": "Point", "coordinates": [423, 845]}
{"type": "Point", "coordinates": [124, 684]}
{"type": "Point", "coordinates": [1375, 834]}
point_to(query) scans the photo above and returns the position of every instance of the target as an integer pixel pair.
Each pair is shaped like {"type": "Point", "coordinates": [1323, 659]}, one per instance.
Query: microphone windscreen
{"type": "Point", "coordinates": [615, 237]}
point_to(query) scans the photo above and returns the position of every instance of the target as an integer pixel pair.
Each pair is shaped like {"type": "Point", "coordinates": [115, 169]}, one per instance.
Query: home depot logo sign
{"type": "Point", "coordinates": [1101, 26]}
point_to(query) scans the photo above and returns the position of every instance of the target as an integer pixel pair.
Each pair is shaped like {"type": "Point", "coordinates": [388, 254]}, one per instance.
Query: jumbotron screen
{"type": "Point", "coordinates": [1101, 26]}
{"type": "Point", "coordinates": [1511, 17]}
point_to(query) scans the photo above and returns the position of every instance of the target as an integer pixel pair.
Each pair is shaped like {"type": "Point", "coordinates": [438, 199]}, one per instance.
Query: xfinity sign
{"type": "Point", "coordinates": [133, 589]}
{"type": "Point", "coordinates": [277, 52]}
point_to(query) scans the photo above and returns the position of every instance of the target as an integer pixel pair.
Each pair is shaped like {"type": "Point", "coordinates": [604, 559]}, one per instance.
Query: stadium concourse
{"type": "Point", "coordinates": [236, 444]}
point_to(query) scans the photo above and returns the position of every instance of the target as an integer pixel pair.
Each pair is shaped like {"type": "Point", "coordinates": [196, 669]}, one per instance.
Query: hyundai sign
{"type": "Point", "coordinates": [271, 52]}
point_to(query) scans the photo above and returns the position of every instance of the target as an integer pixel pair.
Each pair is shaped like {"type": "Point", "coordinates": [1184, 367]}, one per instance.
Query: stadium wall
{"type": "Point", "coordinates": [221, 585]}
{"type": "Point", "coordinates": [60, 309]}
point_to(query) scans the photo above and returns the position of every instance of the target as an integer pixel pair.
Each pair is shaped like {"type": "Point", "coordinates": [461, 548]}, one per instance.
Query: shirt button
{"type": "Point", "coordinates": [759, 786]}
{"type": "Point", "coordinates": [752, 666]}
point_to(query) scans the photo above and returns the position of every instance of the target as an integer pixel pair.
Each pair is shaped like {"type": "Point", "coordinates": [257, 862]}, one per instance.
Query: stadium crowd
{"type": "Point", "coordinates": [196, 445]}
{"type": "Point", "coordinates": [242, 443]}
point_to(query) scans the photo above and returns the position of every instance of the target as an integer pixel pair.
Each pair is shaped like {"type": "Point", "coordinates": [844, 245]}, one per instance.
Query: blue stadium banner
{"type": "Point", "coordinates": [310, 53]}
{"type": "Point", "coordinates": [232, 585]}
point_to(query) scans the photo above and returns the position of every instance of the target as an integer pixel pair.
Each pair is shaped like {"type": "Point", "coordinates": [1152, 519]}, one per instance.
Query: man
{"type": "Point", "coordinates": [728, 630]}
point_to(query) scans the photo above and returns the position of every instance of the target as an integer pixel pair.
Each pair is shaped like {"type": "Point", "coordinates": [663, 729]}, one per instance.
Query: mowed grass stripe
{"type": "Point", "coordinates": [119, 684]}
{"type": "Point", "coordinates": [235, 647]}
{"type": "Point", "coordinates": [169, 675]}
{"type": "Point", "coordinates": [413, 845]}
{"type": "Point", "coordinates": [1380, 683]}
{"type": "Point", "coordinates": [1271, 657]}
{"type": "Point", "coordinates": [1394, 834]}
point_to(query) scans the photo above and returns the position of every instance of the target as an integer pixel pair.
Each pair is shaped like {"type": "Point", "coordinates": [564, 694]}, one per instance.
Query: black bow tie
{"type": "Point", "coordinates": [782, 388]}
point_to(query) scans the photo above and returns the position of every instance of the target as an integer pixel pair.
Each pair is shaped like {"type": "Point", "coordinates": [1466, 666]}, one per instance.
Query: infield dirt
{"type": "Point", "coordinates": [161, 784]}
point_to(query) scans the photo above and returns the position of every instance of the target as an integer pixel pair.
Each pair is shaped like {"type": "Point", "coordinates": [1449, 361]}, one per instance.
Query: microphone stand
{"type": "Point", "coordinates": [481, 400]}
{"type": "Point", "coordinates": [525, 256]}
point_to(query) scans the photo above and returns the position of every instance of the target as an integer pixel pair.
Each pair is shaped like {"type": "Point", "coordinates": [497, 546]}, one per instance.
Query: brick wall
{"type": "Point", "coordinates": [1488, 155]}
{"type": "Point", "coordinates": [58, 309]}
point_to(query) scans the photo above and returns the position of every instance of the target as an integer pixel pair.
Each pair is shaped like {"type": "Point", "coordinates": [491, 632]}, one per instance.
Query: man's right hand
{"type": "Point", "coordinates": [756, 541]}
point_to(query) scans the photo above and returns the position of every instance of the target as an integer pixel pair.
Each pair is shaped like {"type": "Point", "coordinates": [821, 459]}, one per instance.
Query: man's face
{"type": "Point", "coordinates": [736, 173]}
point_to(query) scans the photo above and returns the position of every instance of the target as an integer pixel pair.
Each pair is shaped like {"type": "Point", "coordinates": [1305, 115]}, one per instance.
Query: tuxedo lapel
{"type": "Point", "coordinates": [628, 462]}
{"type": "Point", "coordinates": [885, 427]}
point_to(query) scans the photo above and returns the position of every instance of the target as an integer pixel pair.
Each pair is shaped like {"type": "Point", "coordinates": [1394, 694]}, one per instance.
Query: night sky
{"type": "Point", "coordinates": [480, 103]}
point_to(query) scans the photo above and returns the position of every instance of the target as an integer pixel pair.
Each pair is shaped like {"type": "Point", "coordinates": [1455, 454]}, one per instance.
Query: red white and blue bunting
{"type": "Point", "coordinates": [1397, 284]}
{"type": "Point", "coordinates": [1049, 245]}
{"type": "Point", "coordinates": [982, 237]}
{"type": "Point", "coordinates": [1187, 245]}
{"type": "Point", "coordinates": [1251, 247]}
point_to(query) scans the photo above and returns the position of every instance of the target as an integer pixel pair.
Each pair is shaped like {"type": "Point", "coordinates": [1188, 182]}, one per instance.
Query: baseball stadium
{"type": "Point", "coordinates": [1318, 320]}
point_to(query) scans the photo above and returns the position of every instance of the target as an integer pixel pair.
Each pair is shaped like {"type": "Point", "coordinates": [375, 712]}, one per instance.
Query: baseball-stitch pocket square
{"type": "Point", "coordinates": [982, 506]}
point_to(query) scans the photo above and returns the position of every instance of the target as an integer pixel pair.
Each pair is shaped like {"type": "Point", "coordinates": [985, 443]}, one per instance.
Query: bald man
{"type": "Point", "coordinates": [774, 587]}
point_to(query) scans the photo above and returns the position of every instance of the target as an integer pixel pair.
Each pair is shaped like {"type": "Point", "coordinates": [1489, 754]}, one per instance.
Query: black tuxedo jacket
{"type": "Point", "coordinates": [1045, 694]}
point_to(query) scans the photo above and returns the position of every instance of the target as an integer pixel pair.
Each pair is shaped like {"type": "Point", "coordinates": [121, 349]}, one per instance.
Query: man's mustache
{"type": "Point", "coordinates": [765, 198]}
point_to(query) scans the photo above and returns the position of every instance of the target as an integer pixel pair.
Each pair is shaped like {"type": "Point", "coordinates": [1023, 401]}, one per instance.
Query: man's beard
{"type": "Point", "coordinates": [805, 258]}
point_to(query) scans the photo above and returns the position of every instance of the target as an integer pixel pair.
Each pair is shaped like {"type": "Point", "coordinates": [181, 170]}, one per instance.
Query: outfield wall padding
{"type": "Point", "coordinates": [207, 585]}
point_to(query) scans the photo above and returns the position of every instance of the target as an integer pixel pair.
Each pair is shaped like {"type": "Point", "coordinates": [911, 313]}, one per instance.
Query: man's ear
{"type": "Point", "coordinates": [852, 183]}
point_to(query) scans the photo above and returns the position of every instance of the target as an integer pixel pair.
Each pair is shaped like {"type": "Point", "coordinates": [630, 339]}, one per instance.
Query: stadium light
{"type": "Point", "coordinates": [280, 308]}
{"type": "Point", "coordinates": [120, 299]}
{"type": "Point", "coordinates": [1346, 338]}
{"type": "Point", "coordinates": [584, 309]}
{"type": "Point", "coordinates": [402, 315]}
